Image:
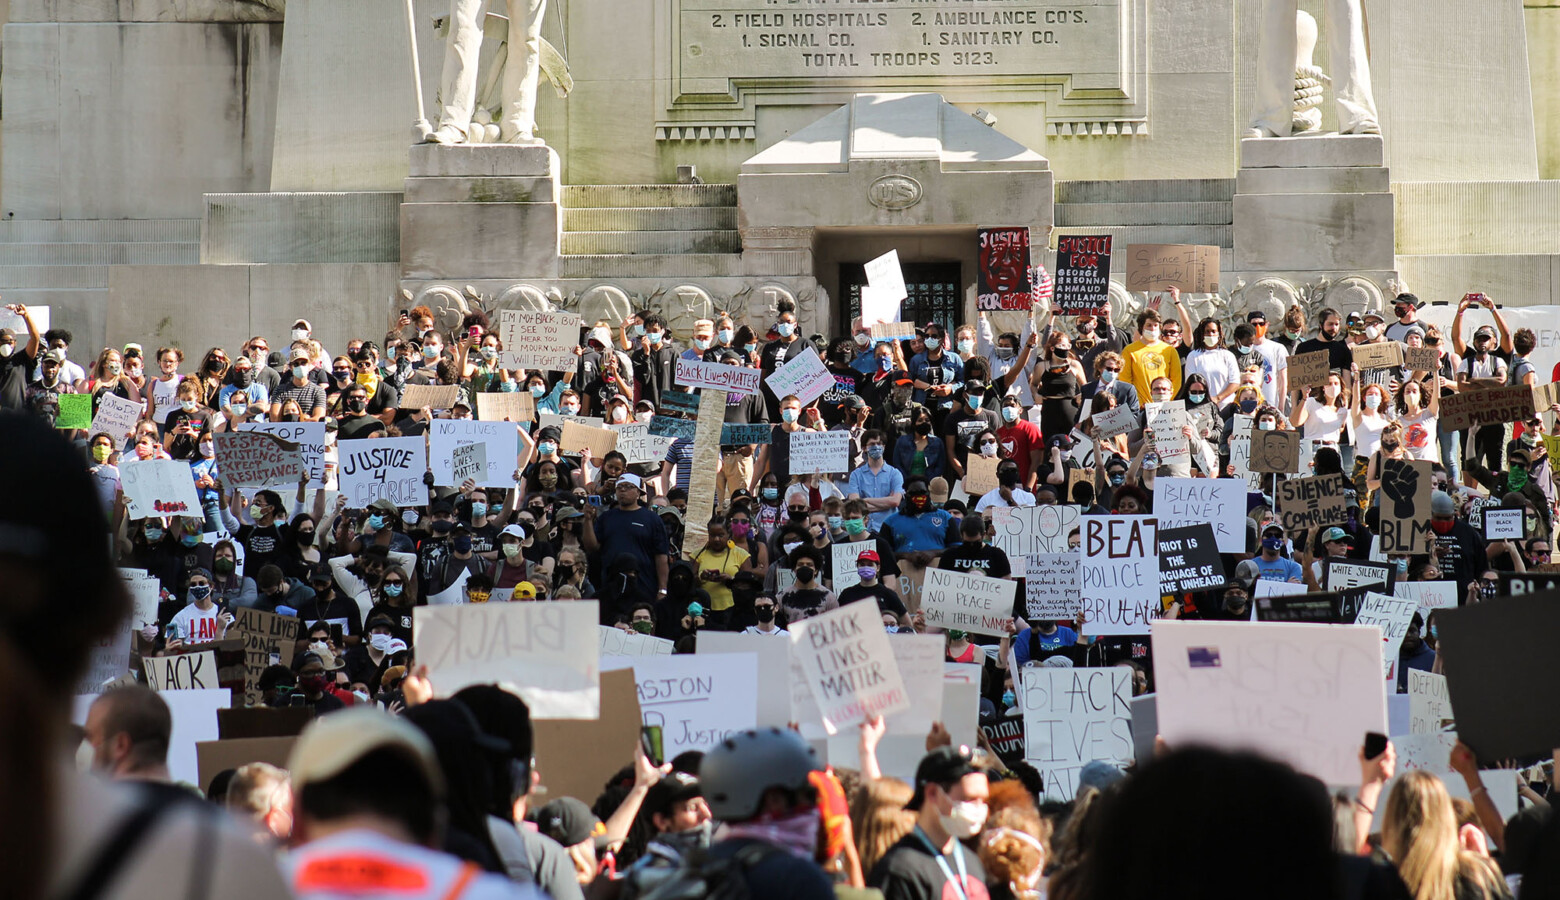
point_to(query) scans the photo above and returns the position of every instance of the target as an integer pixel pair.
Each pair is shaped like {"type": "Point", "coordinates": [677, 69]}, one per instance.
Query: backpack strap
{"type": "Point", "coordinates": [462, 881]}
{"type": "Point", "coordinates": [113, 854]}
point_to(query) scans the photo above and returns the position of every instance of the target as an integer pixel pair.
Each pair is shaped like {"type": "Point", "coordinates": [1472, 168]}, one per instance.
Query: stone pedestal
{"type": "Point", "coordinates": [1317, 204]}
{"type": "Point", "coordinates": [488, 211]}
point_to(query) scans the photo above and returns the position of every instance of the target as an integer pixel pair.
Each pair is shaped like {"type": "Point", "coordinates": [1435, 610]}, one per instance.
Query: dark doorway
{"type": "Point", "coordinates": [936, 294]}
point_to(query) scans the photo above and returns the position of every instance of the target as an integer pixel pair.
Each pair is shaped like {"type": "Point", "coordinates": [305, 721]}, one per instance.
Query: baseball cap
{"type": "Point", "coordinates": [868, 555]}
{"type": "Point", "coordinates": [1409, 300]}
{"type": "Point", "coordinates": [938, 489]}
{"type": "Point", "coordinates": [631, 478]}
{"type": "Point", "coordinates": [54, 356]}
{"type": "Point", "coordinates": [1273, 528]}
{"type": "Point", "coordinates": [383, 505]}
{"type": "Point", "coordinates": [565, 513]}
{"type": "Point", "coordinates": [1441, 504]}
{"type": "Point", "coordinates": [332, 744]}
{"type": "Point", "coordinates": [743, 493]}
{"type": "Point", "coordinates": [673, 788]}
{"type": "Point", "coordinates": [944, 765]}
{"type": "Point", "coordinates": [513, 531]}
{"type": "Point", "coordinates": [1484, 331]}
{"type": "Point", "coordinates": [568, 821]}
{"type": "Point", "coordinates": [440, 506]}
{"type": "Point", "coordinates": [377, 620]}
{"type": "Point", "coordinates": [1336, 534]}
{"type": "Point", "coordinates": [525, 590]}
{"type": "Point", "coordinates": [1374, 314]}
{"type": "Point", "coordinates": [854, 401]}
{"type": "Point", "coordinates": [1256, 315]}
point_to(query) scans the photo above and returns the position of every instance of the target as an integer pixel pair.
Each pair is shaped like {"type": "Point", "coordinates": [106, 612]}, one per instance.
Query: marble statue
{"type": "Point", "coordinates": [1309, 78]}
{"type": "Point", "coordinates": [1284, 74]}
{"type": "Point", "coordinates": [522, 70]}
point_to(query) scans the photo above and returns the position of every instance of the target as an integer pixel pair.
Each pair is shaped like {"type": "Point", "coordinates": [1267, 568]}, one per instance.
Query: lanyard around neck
{"type": "Point", "coordinates": [942, 862]}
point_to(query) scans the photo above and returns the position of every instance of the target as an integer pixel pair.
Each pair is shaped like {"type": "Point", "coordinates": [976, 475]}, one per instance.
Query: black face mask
{"type": "Point", "coordinates": [797, 516]}
{"type": "Point", "coordinates": [923, 428]}
{"type": "Point", "coordinates": [356, 405]}
{"type": "Point", "coordinates": [764, 614]}
{"type": "Point", "coordinates": [243, 377]}
{"type": "Point", "coordinates": [804, 574]}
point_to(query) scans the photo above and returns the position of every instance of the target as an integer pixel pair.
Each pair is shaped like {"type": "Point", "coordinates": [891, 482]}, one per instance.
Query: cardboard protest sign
{"type": "Point", "coordinates": [639, 446]}
{"type": "Point", "coordinates": [1516, 584]}
{"type": "Point", "coordinates": [673, 400]}
{"type": "Point", "coordinates": [893, 331]}
{"type": "Point", "coordinates": [309, 437]}
{"type": "Point", "coordinates": [848, 665]}
{"type": "Point", "coordinates": [1309, 370]}
{"type": "Point", "coordinates": [383, 468]}
{"type": "Point", "coordinates": [1418, 359]}
{"type": "Point", "coordinates": [887, 279]}
{"type": "Point", "coordinates": [803, 375]}
{"type": "Point", "coordinates": [980, 475]}
{"type": "Point", "coordinates": [965, 601]}
{"type": "Point", "coordinates": [1189, 559]}
{"type": "Point", "coordinates": [1219, 502]}
{"type": "Point", "coordinates": [1292, 603]}
{"type": "Point", "coordinates": [257, 459]}
{"type": "Point", "coordinates": [547, 653]}
{"type": "Point", "coordinates": [826, 452]}
{"type": "Point", "coordinates": [109, 659]}
{"type": "Point", "coordinates": [1111, 422]}
{"type": "Point", "coordinates": [1276, 452]}
{"type": "Point", "coordinates": [732, 433]}
{"type": "Point", "coordinates": [1120, 574]}
{"type": "Point", "coordinates": [1458, 411]}
{"type": "Point", "coordinates": [1503, 524]}
{"type": "Point", "coordinates": [468, 461]}
{"type": "Point", "coordinates": [1391, 614]}
{"type": "Point", "coordinates": [698, 700]}
{"type": "Point", "coordinates": [145, 593]}
{"type": "Point", "coordinates": [215, 757]}
{"type": "Point", "coordinates": [1405, 506]}
{"type": "Point", "coordinates": [738, 380]}
{"type": "Point", "coordinates": [599, 441]}
{"type": "Point", "coordinates": [1051, 586]}
{"type": "Point", "coordinates": [617, 642]}
{"type": "Point", "coordinates": [431, 396]}
{"type": "Point", "coordinates": [1304, 694]}
{"type": "Point", "coordinates": [268, 639]}
{"type": "Point", "coordinates": [1002, 277]}
{"type": "Point", "coordinates": [1159, 267]}
{"type": "Point", "coordinates": [1082, 273]}
{"type": "Point", "coordinates": [577, 756]}
{"type": "Point", "coordinates": [1307, 504]}
{"type": "Point", "coordinates": [844, 559]}
{"type": "Point", "coordinates": [115, 417]}
{"type": "Point", "coordinates": [1507, 404]}
{"type": "Point", "coordinates": [75, 411]}
{"type": "Point", "coordinates": [1164, 421]}
{"type": "Point", "coordinates": [538, 340]}
{"type": "Point", "coordinates": [158, 487]}
{"type": "Point", "coordinates": [1381, 355]}
{"type": "Point", "coordinates": [773, 653]}
{"type": "Point", "coordinates": [516, 406]}
{"type": "Point", "coordinates": [182, 671]}
{"type": "Point", "coordinates": [668, 427]}
{"type": "Point", "coordinates": [553, 420]}
{"type": "Point", "coordinates": [1021, 531]}
{"type": "Point", "coordinates": [1495, 656]}
{"type": "Point", "coordinates": [1429, 704]}
{"type": "Point", "coordinates": [1073, 717]}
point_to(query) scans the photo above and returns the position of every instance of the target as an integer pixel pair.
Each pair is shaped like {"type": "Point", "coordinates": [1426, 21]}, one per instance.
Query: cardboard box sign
{"type": "Point", "coordinates": [1383, 355]}
{"type": "Point", "coordinates": [1159, 267]}
{"type": "Point", "coordinates": [575, 757]}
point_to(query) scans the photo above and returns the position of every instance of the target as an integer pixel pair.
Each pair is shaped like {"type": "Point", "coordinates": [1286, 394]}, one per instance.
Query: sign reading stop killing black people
{"type": "Point", "coordinates": [1082, 273]}
{"type": "Point", "coordinates": [1120, 574]}
{"type": "Point", "coordinates": [1003, 279]}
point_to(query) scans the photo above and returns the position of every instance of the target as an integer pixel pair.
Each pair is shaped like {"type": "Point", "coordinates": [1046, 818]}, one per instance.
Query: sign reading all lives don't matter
{"type": "Point", "coordinates": [720, 43]}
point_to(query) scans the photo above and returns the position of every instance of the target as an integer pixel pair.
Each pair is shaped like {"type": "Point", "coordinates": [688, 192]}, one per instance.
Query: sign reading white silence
{"type": "Point", "coordinates": [1072, 717]}
{"type": "Point", "coordinates": [698, 700]}
{"type": "Point", "coordinates": [1392, 615]}
{"type": "Point", "coordinates": [848, 665]}
{"type": "Point", "coordinates": [384, 468]}
{"type": "Point", "coordinates": [547, 653]}
{"type": "Point", "coordinates": [1120, 574]}
{"type": "Point", "coordinates": [1305, 694]}
{"type": "Point", "coordinates": [965, 601]}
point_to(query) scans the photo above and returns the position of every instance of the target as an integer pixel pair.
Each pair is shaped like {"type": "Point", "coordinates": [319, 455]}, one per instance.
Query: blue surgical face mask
{"type": "Point", "coordinates": [1010, 414]}
{"type": "Point", "coordinates": [836, 522]}
{"type": "Point", "coordinates": [154, 534]}
{"type": "Point", "coordinates": [1009, 699]}
{"type": "Point", "coordinates": [478, 510]}
{"type": "Point", "coordinates": [784, 329]}
{"type": "Point", "coordinates": [875, 451]}
{"type": "Point", "coordinates": [931, 343]}
{"type": "Point", "coordinates": [788, 415]}
{"type": "Point", "coordinates": [300, 371]}
{"type": "Point", "coordinates": [966, 346]}
{"type": "Point", "coordinates": [538, 390]}
{"type": "Point", "coordinates": [507, 387]}
{"type": "Point", "coordinates": [637, 331]}
{"type": "Point", "coordinates": [1401, 564]}
{"type": "Point", "coordinates": [1242, 350]}
{"type": "Point", "coordinates": [749, 348]}
{"type": "Point", "coordinates": [770, 493]}
{"type": "Point", "coordinates": [376, 522]}
{"type": "Point", "coordinates": [1433, 631]}
{"type": "Point", "coordinates": [702, 343]}
{"type": "Point", "coordinates": [547, 448]}
{"type": "Point", "coordinates": [725, 335]}
{"type": "Point", "coordinates": [656, 337]}
{"type": "Point", "coordinates": [886, 363]}
{"type": "Point", "coordinates": [394, 590]}
{"type": "Point", "coordinates": [1197, 398]}
{"type": "Point", "coordinates": [1109, 376]}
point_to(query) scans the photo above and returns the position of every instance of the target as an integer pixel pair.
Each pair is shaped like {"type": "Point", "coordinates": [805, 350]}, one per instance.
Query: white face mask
{"type": "Point", "coordinates": [965, 820]}
{"type": "Point", "coordinates": [644, 417]}
{"type": "Point", "coordinates": [1150, 335]}
{"type": "Point", "coordinates": [619, 414]}
{"type": "Point", "coordinates": [1210, 341]}
{"type": "Point", "coordinates": [380, 642]}
{"type": "Point", "coordinates": [988, 449]}
{"type": "Point", "coordinates": [1373, 331]}
{"type": "Point", "coordinates": [6, 350]}
{"type": "Point", "coordinates": [1266, 425]}
{"type": "Point", "coordinates": [1330, 391]}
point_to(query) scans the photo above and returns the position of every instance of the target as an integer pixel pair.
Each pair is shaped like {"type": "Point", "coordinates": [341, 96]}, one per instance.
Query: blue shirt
{"type": "Point", "coordinates": [1056, 640]}
{"type": "Point", "coordinates": [926, 531]}
{"type": "Point", "coordinates": [680, 455]}
{"type": "Point", "coordinates": [639, 534]}
{"type": "Point", "coordinates": [1280, 569]}
{"type": "Point", "coordinates": [865, 361]}
{"type": "Point", "coordinates": [885, 483]}
{"type": "Point", "coordinates": [948, 370]}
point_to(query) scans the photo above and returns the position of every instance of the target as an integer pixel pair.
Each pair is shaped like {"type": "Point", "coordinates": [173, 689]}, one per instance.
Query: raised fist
{"type": "Point", "coordinates": [1399, 482]}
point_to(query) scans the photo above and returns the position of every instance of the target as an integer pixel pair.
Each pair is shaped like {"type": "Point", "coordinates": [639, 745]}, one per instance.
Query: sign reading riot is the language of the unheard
{"type": "Point", "coordinates": [256, 459]}
{"type": "Point", "coordinates": [1405, 506]}
{"type": "Point", "coordinates": [1073, 717]}
{"type": "Point", "coordinates": [848, 665]}
{"type": "Point", "coordinates": [310, 438]}
{"type": "Point", "coordinates": [965, 601]}
{"type": "Point", "coordinates": [538, 340]}
{"type": "Point", "coordinates": [1082, 273]}
{"type": "Point", "coordinates": [383, 468]}
{"type": "Point", "coordinates": [1120, 574]}
{"type": "Point", "coordinates": [1189, 560]}
{"type": "Point", "coordinates": [547, 653]}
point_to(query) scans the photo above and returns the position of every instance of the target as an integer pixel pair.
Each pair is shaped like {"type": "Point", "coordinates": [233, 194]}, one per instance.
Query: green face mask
{"type": "Point", "coordinates": [642, 627]}
{"type": "Point", "coordinates": [956, 635]}
{"type": "Point", "coordinates": [1517, 477]}
{"type": "Point", "coordinates": [855, 526]}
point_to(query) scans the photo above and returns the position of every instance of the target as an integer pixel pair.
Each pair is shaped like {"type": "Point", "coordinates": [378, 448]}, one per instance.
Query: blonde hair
{"type": "Point", "coordinates": [879, 819]}
{"type": "Point", "coordinates": [1013, 849]}
{"type": "Point", "coordinates": [1419, 832]}
{"type": "Point", "coordinates": [254, 788]}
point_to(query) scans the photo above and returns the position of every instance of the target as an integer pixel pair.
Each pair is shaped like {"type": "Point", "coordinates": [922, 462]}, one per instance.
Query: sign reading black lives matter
{"type": "Point", "coordinates": [1189, 560]}
{"type": "Point", "coordinates": [1082, 273]}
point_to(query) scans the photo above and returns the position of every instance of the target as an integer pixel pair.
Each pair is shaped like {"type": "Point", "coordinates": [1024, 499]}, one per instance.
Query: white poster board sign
{"type": "Point", "coordinates": [1051, 586]}
{"type": "Point", "coordinates": [638, 445]}
{"type": "Point", "coordinates": [194, 715]}
{"type": "Point", "coordinates": [845, 562]}
{"type": "Point", "coordinates": [1305, 694]}
{"type": "Point", "coordinates": [384, 468]}
{"type": "Point", "coordinates": [1429, 705]}
{"type": "Point", "coordinates": [538, 340]}
{"type": "Point", "coordinates": [738, 380]}
{"type": "Point", "coordinates": [1392, 615]}
{"type": "Point", "coordinates": [887, 279]}
{"type": "Point", "coordinates": [1164, 421]}
{"type": "Point", "coordinates": [848, 666]}
{"type": "Point", "coordinates": [1119, 576]}
{"type": "Point", "coordinates": [1033, 529]}
{"type": "Point", "coordinates": [698, 699]}
{"type": "Point", "coordinates": [965, 601]}
{"type": "Point", "coordinates": [1503, 524]}
{"type": "Point", "coordinates": [773, 653]}
{"type": "Point", "coordinates": [617, 642]}
{"type": "Point", "coordinates": [1220, 502]}
{"type": "Point", "coordinates": [1428, 595]}
{"type": "Point", "coordinates": [804, 375]}
{"type": "Point", "coordinates": [547, 653]}
{"type": "Point", "coordinates": [158, 487]}
{"type": "Point", "coordinates": [820, 452]}
{"type": "Point", "coordinates": [182, 671]}
{"type": "Point", "coordinates": [498, 439]}
{"type": "Point", "coordinates": [115, 417]}
{"type": "Point", "coordinates": [1073, 717]}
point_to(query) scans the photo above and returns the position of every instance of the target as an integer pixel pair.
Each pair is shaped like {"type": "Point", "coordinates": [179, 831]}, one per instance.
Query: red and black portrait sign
{"type": "Point", "coordinates": [1004, 278]}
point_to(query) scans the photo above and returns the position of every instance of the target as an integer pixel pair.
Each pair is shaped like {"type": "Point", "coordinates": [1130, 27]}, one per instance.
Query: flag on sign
{"type": "Point", "coordinates": [1041, 279]}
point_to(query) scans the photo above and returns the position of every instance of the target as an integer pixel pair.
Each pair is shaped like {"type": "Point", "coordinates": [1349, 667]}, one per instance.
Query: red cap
{"type": "Point", "coordinates": [868, 555]}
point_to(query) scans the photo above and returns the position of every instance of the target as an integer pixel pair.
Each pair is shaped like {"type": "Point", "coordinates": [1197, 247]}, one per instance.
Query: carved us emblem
{"type": "Point", "coordinates": [894, 192]}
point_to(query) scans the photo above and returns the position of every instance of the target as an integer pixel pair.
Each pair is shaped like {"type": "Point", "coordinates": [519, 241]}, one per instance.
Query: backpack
{"type": "Point", "coordinates": [705, 877]}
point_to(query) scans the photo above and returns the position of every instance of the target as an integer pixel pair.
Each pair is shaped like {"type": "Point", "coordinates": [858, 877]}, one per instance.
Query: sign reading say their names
{"type": "Point", "coordinates": [739, 380]}
{"type": "Point", "coordinates": [538, 340]}
{"type": "Point", "coordinates": [547, 653]}
{"type": "Point", "coordinates": [182, 671]}
{"type": "Point", "coordinates": [1120, 574]}
{"type": "Point", "coordinates": [825, 452]}
{"type": "Point", "coordinates": [1082, 273]}
{"type": "Point", "coordinates": [803, 375]}
{"type": "Point", "coordinates": [310, 438]}
{"type": "Point", "coordinates": [383, 468]}
{"type": "Point", "coordinates": [256, 459]}
{"type": "Point", "coordinates": [158, 487]}
{"type": "Point", "coordinates": [965, 601]}
{"type": "Point", "coordinates": [1073, 717]}
{"type": "Point", "coordinates": [1219, 502]}
{"type": "Point", "coordinates": [848, 665]}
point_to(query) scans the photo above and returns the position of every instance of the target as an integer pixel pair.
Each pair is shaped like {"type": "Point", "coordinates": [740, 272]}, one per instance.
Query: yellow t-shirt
{"type": "Point", "coordinates": [726, 563]}
{"type": "Point", "coordinates": [1142, 363]}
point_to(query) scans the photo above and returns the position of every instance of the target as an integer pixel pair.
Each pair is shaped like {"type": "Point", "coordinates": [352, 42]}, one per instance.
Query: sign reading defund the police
{"type": "Point", "coordinates": [383, 468]}
{"type": "Point", "coordinates": [1120, 574]}
{"type": "Point", "coordinates": [964, 601]}
{"type": "Point", "coordinates": [849, 666]}
{"type": "Point", "coordinates": [1074, 716]}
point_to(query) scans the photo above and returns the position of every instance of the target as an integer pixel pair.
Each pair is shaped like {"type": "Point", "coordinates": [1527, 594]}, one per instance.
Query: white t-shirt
{"type": "Point", "coordinates": [1323, 421]}
{"type": "Point", "coordinates": [1367, 435]}
{"type": "Point", "coordinates": [993, 498]}
{"type": "Point", "coordinates": [165, 399]}
{"type": "Point", "coordinates": [753, 629]}
{"type": "Point", "coordinates": [196, 625]}
{"type": "Point", "coordinates": [361, 864]}
{"type": "Point", "coordinates": [1276, 360]}
{"type": "Point", "coordinates": [1217, 367]}
{"type": "Point", "coordinates": [1420, 436]}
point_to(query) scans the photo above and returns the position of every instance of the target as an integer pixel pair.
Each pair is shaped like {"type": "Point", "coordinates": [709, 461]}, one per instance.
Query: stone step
{"type": "Point", "coordinates": [53, 277]}
{"type": "Point", "coordinates": [598, 196]}
{"type": "Point", "coordinates": [651, 218]}
{"type": "Point", "coordinates": [85, 231]}
{"type": "Point", "coordinates": [105, 254]}
{"type": "Point", "coordinates": [1157, 190]}
{"type": "Point", "coordinates": [1206, 235]}
{"type": "Point", "coordinates": [648, 265]}
{"type": "Point", "coordinates": [1171, 213]}
{"type": "Point", "coordinates": [651, 242]}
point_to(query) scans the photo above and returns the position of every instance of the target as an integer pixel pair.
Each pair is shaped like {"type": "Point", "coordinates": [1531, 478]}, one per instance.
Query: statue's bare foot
{"type": "Point", "coordinates": [446, 134]}
{"type": "Point", "coordinates": [524, 139]}
{"type": "Point", "coordinates": [1365, 128]}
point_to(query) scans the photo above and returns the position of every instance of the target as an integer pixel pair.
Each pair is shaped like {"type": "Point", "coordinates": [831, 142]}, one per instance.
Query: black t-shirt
{"type": "Point", "coordinates": [832, 403]}
{"type": "Point", "coordinates": [14, 370]}
{"type": "Point", "coordinates": [887, 601]}
{"type": "Point", "coordinates": [351, 428]}
{"type": "Point", "coordinates": [1339, 355]}
{"type": "Point", "coordinates": [401, 614]}
{"type": "Point", "coordinates": [909, 871]}
{"type": "Point", "coordinates": [601, 392]}
{"type": "Point", "coordinates": [982, 559]}
{"type": "Point", "coordinates": [263, 545]}
{"type": "Point", "coordinates": [966, 428]}
{"type": "Point", "coordinates": [338, 610]}
{"type": "Point", "coordinates": [385, 397]}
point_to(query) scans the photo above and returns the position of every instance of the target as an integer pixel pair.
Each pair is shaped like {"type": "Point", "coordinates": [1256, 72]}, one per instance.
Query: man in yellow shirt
{"type": "Point", "coordinates": [1148, 357]}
